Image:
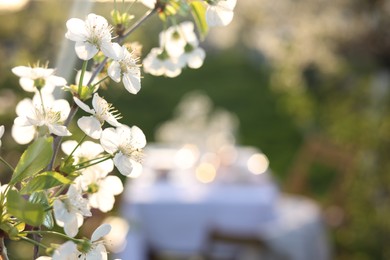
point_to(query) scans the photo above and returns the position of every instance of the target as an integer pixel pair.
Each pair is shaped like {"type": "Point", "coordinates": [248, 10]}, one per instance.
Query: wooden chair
{"type": "Point", "coordinates": [238, 243]}
{"type": "Point", "coordinates": [321, 150]}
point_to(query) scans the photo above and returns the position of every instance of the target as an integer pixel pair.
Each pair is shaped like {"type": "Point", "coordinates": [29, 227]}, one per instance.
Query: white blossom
{"type": "Point", "coordinates": [88, 151]}
{"type": "Point", "coordinates": [193, 57]}
{"type": "Point", "coordinates": [101, 190]}
{"type": "Point", "coordinates": [33, 113]}
{"type": "Point", "coordinates": [43, 78]}
{"type": "Point", "coordinates": [67, 251]}
{"type": "Point", "coordinates": [159, 63]}
{"type": "Point", "coordinates": [102, 112]}
{"type": "Point", "coordinates": [91, 35]}
{"type": "Point", "coordinates": [220, 12]}
{"type": "Point", "coordinates": [126, 143]}
{"type": "Point", "coordinates": [95, 250]}
{"type": "Point", "coordinates": [176, 37]}
{"type": "Point", "coordinates": [179, 47]}
{"type": "Point", "coordinates": [125, 66]}
{"type": "Point", "coordinates": [70, 211]}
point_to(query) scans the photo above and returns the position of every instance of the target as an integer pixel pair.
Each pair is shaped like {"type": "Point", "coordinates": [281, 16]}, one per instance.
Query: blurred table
{"type": "Point", "coordinates": [172, 214]}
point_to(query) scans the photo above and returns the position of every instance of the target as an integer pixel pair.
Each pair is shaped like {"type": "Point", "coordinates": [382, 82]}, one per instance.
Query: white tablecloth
{"type": "Point", "coordinates": [177, 219]}
{"type": "Point", "coordinates": [175, 213]}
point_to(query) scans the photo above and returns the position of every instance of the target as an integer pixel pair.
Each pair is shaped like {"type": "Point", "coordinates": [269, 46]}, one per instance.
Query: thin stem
{"type": "Point", "coordinates": [83, 69]}
{"type": "Point", "coordinates": [74, 149]}
{"type": "Point", "coordinates": [60, 190]}
{"type": "Point", "coordinates": [138, 23]}
{"type": "Point", "coordinates": [57, 139]}
{"type": "Point", "coordinates": [35, 243]}
{"type": "Point", "coordinates": [89, 165]}
{"type": "Point", "coordinates": [43, 105]}
{"type": "Point", "coordinates": [3, 249]}
{"type": "Point", "coordinates": [52, 233]}
{"type": "Point", "coordinates": [37, 238]}
{"type": "Point", "coordinates": [7, 164]}
{"type": "Point", "coordinates": [100, 81]}
{"type": "Point", "coordinates": [130, 5]}
{"type": "Point", "coordinates": [97, 70]}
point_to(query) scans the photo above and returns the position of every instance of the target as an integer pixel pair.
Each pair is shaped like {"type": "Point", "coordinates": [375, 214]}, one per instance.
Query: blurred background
{"type": "Point", "coordinates": [307, 80]}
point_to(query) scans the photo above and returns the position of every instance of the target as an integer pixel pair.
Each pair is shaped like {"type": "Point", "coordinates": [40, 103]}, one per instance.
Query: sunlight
{"type": "Point", "coordinates": [12, 5]}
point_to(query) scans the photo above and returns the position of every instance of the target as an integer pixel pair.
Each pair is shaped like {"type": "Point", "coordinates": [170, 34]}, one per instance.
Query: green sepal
{"type": "Point", "coordinates": [85, 94]}
{"type": "Point", "coordinates": [68, 168]}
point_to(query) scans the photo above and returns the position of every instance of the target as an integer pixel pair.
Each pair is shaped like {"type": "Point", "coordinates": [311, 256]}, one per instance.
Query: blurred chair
{"type": "Point", "coordinates": [154, 254]}
{"type": "Point", "coordinates": [237, 246]}
{"type": "Point", "coordinates": [221, 245]}
{"type": "Point", "coordinates": [318, 149]}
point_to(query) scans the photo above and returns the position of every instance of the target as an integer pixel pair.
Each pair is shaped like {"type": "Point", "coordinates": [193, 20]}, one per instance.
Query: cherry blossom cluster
{"type": "Point", "coordinates": [65, 179]}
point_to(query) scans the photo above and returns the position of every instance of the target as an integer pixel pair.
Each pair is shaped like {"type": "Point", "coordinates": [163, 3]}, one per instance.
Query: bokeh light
{"type": "Point", "coordinates": [258, 163]}
{"type": "Point", "coordinates": [205, 172]}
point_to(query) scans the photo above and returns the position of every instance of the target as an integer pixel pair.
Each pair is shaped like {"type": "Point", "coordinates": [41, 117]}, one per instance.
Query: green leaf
{"type": "Point", "coordinates": [36, 157]}
{"type": "Point", "coordinates": [41, 198]}
{"type": "Point", "coordinates": [44, 181]}
{"type": "Point", "coordinates": [198, 11]}
{"type": "Point", "coordinates": [28, 212]}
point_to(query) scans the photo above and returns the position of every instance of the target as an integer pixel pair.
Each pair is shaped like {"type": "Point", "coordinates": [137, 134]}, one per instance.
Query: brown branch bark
{"type": "Point", "coordinates": [3, 249]}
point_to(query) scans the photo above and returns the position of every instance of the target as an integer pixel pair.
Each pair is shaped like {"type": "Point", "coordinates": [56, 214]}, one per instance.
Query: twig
{"type": "Point", "coordinates": [3, 249]}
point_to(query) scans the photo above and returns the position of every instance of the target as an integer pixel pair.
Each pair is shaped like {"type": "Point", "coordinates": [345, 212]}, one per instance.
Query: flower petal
{"type": "Point", "coordinates": [228, 4]}
{"type": "Point", "coordinates": [114, 184]}
{"type": "Point", "coordinates": [71, 226]}
{"type": "Point", "coordinates": [27, 84]}
{"type": "Point", "coordinates": [76, 30]}
{"type": "Point", "coordinates": [56, 81]}
{"type": "Point", "coordinates": [68, 250]}
{"type": "Point", "coordinates": [83, 106]}
{"type": "Point", "coordinates": [24, 107]}
{"type": "Point", "coordinates": [119, 51]}
{"type": "Point", "coordinates": [123, 164]}
{"type": "Point", "coordinates": [114, 71]}
{"type": "Point", "coordinates": [138, 139]}
{"type": "Point", "coordinates": [59, 130]}
{"type": "Point", "coordinates": [68, 146]}
{"type": "Point", "coordinates": [23, 134]}
{"type": "Point", "coordinates": [85, 50]}
{"type": "Point", "coordinates": [62, 106]}
{"type": "Point", "coordinates": [149, 3]}
{"type": "Point", "coordinates": [108, 50]}
{"type": "Point", "coordinates": [1, 131]}
{"type": "Point", "coordinates": [90, 126]}
{"type": "Point", "coordinates": [218, 16]}
{"type": "Point", "coordinates": [137, 169]}
{"type": "Point", "coordinates": [102, 200]}
{"type": "Point", "coordinates": [97, 253]}
{"type": "Point", "coordinates": [91, 149]}
{"type": "Point", "coordinates": [22, 71]}
{"type": "Point", "coordinates": [132, 82]}
{"type": "Point", "coordinates": [195, 58]}
{"type": "Point", "coordinates": [100, 232]}
{"type": "Point", "coordinates": [110, 140]}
